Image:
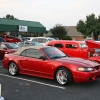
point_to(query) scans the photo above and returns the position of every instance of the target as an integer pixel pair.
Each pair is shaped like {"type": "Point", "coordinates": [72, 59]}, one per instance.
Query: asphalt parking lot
{"type": "Point", "coordinates": [23, 87]}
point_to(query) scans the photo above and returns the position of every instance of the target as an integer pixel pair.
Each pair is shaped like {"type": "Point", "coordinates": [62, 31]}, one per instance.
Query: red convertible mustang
{"type": "Point", "coordinates": [50, 62]}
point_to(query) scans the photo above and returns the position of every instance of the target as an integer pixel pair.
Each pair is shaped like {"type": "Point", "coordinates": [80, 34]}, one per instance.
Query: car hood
{"type": "Point", "coordinates": [92, 44]}
{"type": "Point", "coordinates": [78, 61]}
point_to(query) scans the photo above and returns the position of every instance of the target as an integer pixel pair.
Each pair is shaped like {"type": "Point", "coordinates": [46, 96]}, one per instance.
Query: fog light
{"type": "Point", "coordinates": [89, 78]}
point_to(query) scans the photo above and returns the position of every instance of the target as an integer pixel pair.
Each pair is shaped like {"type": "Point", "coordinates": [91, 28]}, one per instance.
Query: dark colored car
{"type": "Point", "coordinates": [2, 39]}
{"type": "Point", "coordinates": [6, 47]}
{"type": "Point", "coordinates": [50, 62]}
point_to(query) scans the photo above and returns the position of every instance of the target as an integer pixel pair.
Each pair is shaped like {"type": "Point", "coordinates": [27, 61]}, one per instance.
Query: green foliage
{"type": "Point", "coordinates": [67, 38]}
{"type": "Point", "coordinates": [41, 34]}
{"type": "Point", "coordinates": [91, 24]}
{"type": "Point", "coordinates": [58, 31]}
{"type": "Point", "coordinates": [46, 31]}
{"type": "Point", "coordinates": [10, 17]}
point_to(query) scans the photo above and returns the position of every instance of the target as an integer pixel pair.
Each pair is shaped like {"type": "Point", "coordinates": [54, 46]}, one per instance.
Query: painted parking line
{"type": "Point", "coordinates": [33, 81]}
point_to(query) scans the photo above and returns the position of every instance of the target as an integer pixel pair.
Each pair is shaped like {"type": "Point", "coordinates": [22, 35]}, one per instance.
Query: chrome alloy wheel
{"type": "Point", "coordinates": [61, 77]}
{"type": "Point", "coordinates": [13, 68]}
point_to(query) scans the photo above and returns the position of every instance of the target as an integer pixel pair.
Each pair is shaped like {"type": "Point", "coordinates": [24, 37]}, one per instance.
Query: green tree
{"type": "Point", "coordinates": [67, 38]}
{"type": "Point", "coordinates": [89, 26]}
{"type": "Point", "coordinates": [58, 31]}
{"type": "Point", "coordinates": [10, 17]}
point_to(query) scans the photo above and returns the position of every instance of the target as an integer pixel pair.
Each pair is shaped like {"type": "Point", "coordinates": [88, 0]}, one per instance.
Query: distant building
{"type": "Point", "coordinates": [21, 27]}
{"type": "Point", "coordinates": [72, 32]}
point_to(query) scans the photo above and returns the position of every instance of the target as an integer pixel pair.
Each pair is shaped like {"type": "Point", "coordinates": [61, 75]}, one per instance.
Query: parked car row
{"type": "Point", "coordinates": [7, 47]}
{"type": "Point", "coordinates": [63, 60]}
{"type": "Point", "coordinates": [18, 42]}
{"type": "Point", "coordinates": [52, 63]}
{"type": "Point", "coordinates": [42, 40]}
{"type": "Point", "coordinates": [12, 39]}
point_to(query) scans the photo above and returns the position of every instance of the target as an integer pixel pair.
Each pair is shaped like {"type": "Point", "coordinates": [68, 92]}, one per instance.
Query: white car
{"type": "Point", "coordinates": [42, 40]}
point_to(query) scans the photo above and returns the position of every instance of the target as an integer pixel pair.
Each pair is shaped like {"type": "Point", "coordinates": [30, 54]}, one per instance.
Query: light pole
{"type": "Point", "coordinates": [1, 98]}
{"type": "Point", "coordinates": [92, 35]}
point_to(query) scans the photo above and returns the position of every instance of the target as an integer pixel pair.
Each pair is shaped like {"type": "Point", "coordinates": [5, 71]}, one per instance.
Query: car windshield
{"type": "Point", "coordinates": [83, 45]}
{"type": "Point", "coordinates": [36, 44]}
{"type": "Point", "coordinates": [12, 46]}
{"type": "Point", "coordinates": [10, 36]}
{"type": "Point", "coordinates": [54, 53]}
{"type": "Point", "coordinates": [20, 44]}
{"type": "Point", "coordinates": [50, 39]}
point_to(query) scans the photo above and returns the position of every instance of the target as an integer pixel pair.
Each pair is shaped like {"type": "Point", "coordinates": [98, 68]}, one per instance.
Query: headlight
{"type": "Point", "coordinates": [85, 69]}
{"type": "Point", "coordinates": [6, 52]}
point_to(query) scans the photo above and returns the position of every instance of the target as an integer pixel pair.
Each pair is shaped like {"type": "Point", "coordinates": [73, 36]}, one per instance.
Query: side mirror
{"type": "Point", "coordinates": [42, 57]}
{"type": "Point", "coordinates": [5, 48]}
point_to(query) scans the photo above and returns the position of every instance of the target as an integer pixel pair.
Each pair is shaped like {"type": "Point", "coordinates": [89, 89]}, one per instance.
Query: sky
{"type": "Point", "coordinates": [50, 12]}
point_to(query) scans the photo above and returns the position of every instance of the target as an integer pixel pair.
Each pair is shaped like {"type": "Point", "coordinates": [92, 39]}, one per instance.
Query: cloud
{"type": "Point", "coordinates": [8, 4]}
{"type": "Point", "coordinates": [50, 12]}
{"type": "Point", "coordinates": [38, 4]}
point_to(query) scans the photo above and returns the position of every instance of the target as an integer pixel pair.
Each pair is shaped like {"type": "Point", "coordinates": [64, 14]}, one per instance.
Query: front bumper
{"type": "Point", "coordinates": [86, 76]}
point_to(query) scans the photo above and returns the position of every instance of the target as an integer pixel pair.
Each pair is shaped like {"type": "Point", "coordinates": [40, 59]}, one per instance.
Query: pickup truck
{"type": "Point", "coordinates": [12, 39]}
{"type": "Point", "coordinates": [73, 48]}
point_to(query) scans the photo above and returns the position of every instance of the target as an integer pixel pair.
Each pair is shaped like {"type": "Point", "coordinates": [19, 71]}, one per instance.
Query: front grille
{"type": "Point", "coordinates": [97, 67]}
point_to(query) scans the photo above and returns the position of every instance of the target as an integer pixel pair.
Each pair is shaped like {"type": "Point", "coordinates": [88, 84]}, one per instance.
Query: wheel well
{"type": "Point", "coordinates": [17, 71]}
{"type": "Point", "coordinates": [59, 68]}
{"type": "Point", "coordinates": [10, 62]}
{"type": "Point", "coordinates": [96, 61]}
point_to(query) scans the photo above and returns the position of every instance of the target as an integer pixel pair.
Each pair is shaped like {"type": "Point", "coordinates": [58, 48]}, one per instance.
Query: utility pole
{"type": "Point", "coordinates": [92, 35]}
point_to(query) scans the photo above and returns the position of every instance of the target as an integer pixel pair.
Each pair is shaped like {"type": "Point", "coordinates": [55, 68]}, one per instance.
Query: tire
{"type": "Point", "coordinates": [13, 69]}
{"type": "Point", "coordinates": [63, 76]}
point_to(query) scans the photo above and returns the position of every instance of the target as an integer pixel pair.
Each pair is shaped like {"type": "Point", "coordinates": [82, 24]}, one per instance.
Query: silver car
{"type": "Point", "coordinates": [28, 43]}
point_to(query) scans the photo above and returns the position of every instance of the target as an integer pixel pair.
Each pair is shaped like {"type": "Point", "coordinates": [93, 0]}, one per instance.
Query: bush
{"type": "Point", "coordinates": [67, 38]}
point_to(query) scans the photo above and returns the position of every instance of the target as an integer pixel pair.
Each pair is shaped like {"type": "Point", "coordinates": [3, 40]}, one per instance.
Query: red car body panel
{"type": "Point", "coordinates": [47, 68]}
{"type": "Point", "coordinates": [73, 52]}
{"type": "Point", "coordinates": [95, 45]}
{"type": "Point", "coordinates": [11, 39]}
